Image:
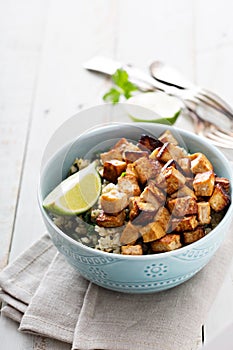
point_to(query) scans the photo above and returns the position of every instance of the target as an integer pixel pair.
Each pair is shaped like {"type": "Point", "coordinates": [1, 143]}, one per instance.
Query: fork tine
{"type": "Point", "coordinates": [217, 140]}
{"type": "Point", "coordinates": [216, 99]}
{"type": "Point", "coordinates": [224, 134]}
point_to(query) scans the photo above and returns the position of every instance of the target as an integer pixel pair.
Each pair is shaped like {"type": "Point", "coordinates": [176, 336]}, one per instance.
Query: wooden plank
{"type": "Point", "coordinates": [21, 32]}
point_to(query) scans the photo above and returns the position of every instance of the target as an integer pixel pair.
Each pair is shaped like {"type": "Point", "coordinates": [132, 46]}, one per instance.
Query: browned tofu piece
{"type": "Point", "coordinates": [106, 220]}
{"type": "Point", "coordinates": [183, 192]}
{"type": "Point", "coordinates": [185, 165]}
{"type": "Point", "coordinates": [182, 206]}
{"type": "Point", "coordinates": [200, 163]}
{"type": "Point", "coordinates": [153, 195]}
{"type": "Point", "coordinates": [219, 199]}
{"type": "Point", "coordinates": [168, 137]}
{"type": "Point", "coordinates": [130, 234]}
{"type": "Point", "coordinates": [203, 213]}
{"type": "Point", "coordinates": [224, 183]}
{"type": "Point", "coordinates": [152, 231]}
{"type": "Point", "coordinates": [174, 180]}
{"type": "Point", "coordinates": [203, 183]}
{"type": "Point", "coordinates": [132, 156]}
{"type": "Point", "coordinates": [147, 142]}
{"type": "Point", "coordinates": [189, 182]}
{"type": "Point", "coordinates": [170, 151]}
{"type": "Point", "coordinates": [113, 169]}
{"type": "Point", "coordinates": [132, 249]}
{"type": "Point", "coordinates": [166, 243]}
{"type": "Point", "coordinates": [113, 201]}
{"type": "Point", "coordinates": [146, 169]}
{"type": "Point", "coordinates": [188, 223]}
{"type": "Point", "coordinates": [112, 154]}
{"type": "Point", "coordinates": [124, 144]}
{"type": "Point", "coordinates": [129, 185]}
{"type": "Point", "coordinates": [163, 218]}
{"type": "Point", "coordinates": [154, 154]}
{"type": "Point", "coordinates": [193, 236]}
{"type": "Point", "coordinates": [130, 169]}
{"type": "Point", "coordinates": [141, 213]}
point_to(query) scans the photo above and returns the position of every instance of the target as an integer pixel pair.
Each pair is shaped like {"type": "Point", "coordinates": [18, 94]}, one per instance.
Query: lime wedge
{"type": "Point", "coordinates": [76, 194]}
{"type": "Point", "coordinates": [158, 108]}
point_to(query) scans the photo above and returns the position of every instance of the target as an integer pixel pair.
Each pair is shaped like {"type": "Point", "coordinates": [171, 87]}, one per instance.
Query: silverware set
{"type": "Point", "coordinates": [212, 116]}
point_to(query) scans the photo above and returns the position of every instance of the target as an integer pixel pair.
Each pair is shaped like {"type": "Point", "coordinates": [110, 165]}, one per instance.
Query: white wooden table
{"type": "Point", "coordinates": [43, 45]}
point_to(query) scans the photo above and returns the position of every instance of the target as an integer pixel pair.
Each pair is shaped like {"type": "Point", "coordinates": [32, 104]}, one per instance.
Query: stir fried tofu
{"type": "Point", "coordinates": [112, 154]}
{"type": "Point", "coordinates": [182, 206]}
{"type": "Point", "coordinates": [183, 192]}
{"type": "Point", "coordinates": [131, 156]}
{"type": "Point", "coordinates": [113, 201]}
{"type": "Point", "coordinates": [113, 169]}
{"type": "Point", "coordinates": [203, 213]}
{"type": "Point", "coordinates": [131, 249]}
{"type": "Point", "coordinates": [163, 218]}
{"type": "Point", "coordinates": [154, 154]}
{"type": "Point", "coordinates": [188, 223]}
{"type": "Point", "coordinates": [166, 243]}
{"type": "Point", "coordinates": [170, 151]}
{"type": "Point", "coordinates": [224, 183]}
{"type": "Point", "coordinates": [153, 195]}
{"type": "Point", "coordinates": [148, 142]}
{"type": "Point", "coordinates": [141, 212]}
{"type": "Point", "coordinates": [200, 163]}
{"type": "Point", "coordinates": [123, 144]}
{"type": "Point", "coordinates": [106, 220]}
{"type": "Point", "coordinates": [168, 137]}
{"type": "Point", "coordinates": [193, 236]}
{"type": "Point", "coordinates": [129, 185]}
{"type": "Point", "coordinates": [203, 183]}
{"type": "Point", "coordinates": [219, 199]}
{"type": "Point", "coordinates": [185, 165]}
{"type": "Point", "coordinates": [146, 169]}
{"type": "Point", "coordinates": [152, 231]}
{"type": "Point", "coordinates": [130, 234]}
{"type": "Point", "coordinates": [173, 179]}
{"type": "Point", "coordinates": [130, 169]}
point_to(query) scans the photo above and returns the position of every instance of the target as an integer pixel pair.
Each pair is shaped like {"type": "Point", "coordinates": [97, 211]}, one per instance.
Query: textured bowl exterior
{"type": "Point", "coordinates": [135, 274]}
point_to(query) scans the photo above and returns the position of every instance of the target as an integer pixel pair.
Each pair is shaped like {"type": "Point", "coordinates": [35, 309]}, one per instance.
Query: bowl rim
{"type": "Point", "coordinates": [155, 256]}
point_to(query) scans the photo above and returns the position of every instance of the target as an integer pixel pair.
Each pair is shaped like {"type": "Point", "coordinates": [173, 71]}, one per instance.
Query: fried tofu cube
{"type": "Point", "coordinates": [132, 156]}
{"type": "Point", "coordinates": [150, 143]}
{"type": "Point", "coordinates": [200, 163]}
{"type": "Point", "coordinates": [140, 212]}
{"type": "Point", "coordinates": [146, 169]}
{"type": "Point", "coordinates": [203, 213]}
{"type": "Point", "coordinates": [106, 220]}
{"type": "Point", "coordinates": [219, 199]}
{"type": "Point", "coordinates": [152, 231]}
{"type": "Point", "coordinates": [154, 154]}
{"type": "Point", "coordinates": [224, 183]}
{"type": "Point", "coordinates": [174, 180]}
{"type": "Point", "coordinates": [182, 206]}
{"type": "Point", "coordinates": [188, 223]}
{"type": "Point", "coordinates": [153, 195]}
{"type": "Point", "coordinates": [170, 151]}
{"type": "Point", "coordinates": [124, 144]}
{"type": "Point", "coordinates": [183, 192]}
{"type": "Point", "coordinates": [130, 169]}
{"type": "Point", "coordinates": [113, 202]}
{"type": "Point", "coordinates": [129, 185]}
{"type": "Point", "coordinates": [112, 154]}
{"type": "Point", "coordinates": [185, 165]}
{"type": "Point", "coordinates": [130, 234]}
{"type": "Point", "coordinates": [168, 137]}
{"type": "Point", "coordinates": [193, 236]}
{"type": "Point", "coordinates": [163, 218]}
{"type": "Point", "coordinates": [167, 243]}
{"type": "Point", "coordinates": [203, 183]}
{"type": "Point", "coordinates": [113, 169]}
{"type": "Point", "coordinates": [132, 249]}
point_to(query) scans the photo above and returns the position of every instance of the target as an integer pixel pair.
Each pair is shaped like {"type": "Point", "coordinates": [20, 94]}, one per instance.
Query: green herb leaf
{"type": "Point", "coordinates": [123, 87]}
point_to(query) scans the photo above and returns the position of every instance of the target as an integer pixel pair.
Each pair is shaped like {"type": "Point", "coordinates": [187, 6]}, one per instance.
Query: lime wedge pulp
{"type": "Point", "coordinates": [76, 194]}
{"type": "Point", "coordinates": [158, 108]}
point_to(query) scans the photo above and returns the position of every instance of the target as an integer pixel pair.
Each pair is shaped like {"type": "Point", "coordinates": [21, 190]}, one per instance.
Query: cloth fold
{"type": "Point", "coordinates": [47, 297]}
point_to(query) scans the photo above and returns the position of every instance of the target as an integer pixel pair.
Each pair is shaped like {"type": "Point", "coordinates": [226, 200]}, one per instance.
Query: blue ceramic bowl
{"type": "Point", "coordinates": [133, 274]}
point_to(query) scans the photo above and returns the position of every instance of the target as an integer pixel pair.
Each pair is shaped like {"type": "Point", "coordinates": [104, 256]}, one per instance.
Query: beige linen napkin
{"type": "Point", "coordinates": [63, 305]}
